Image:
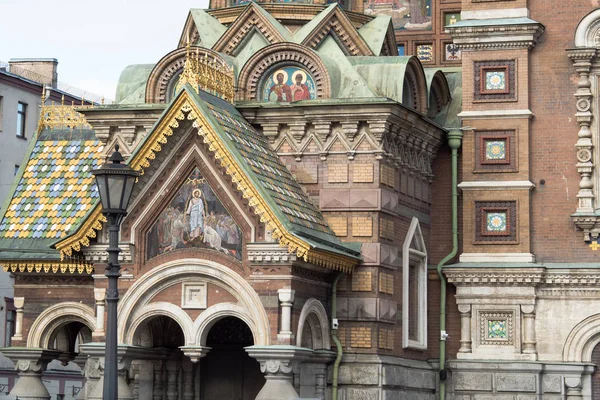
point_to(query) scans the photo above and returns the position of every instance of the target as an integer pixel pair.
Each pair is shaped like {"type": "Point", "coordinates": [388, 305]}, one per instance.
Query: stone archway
{"type": "Point", "coordinates": [137, 301]}
{"type": "Point", "coordinates": [582, 340]}
{"type": "Point", "coordinates": [45, 327]}
{"type": "Point", "coordinates": [227, 371]}
{"type": "Point", "coordinates": [314, 323]}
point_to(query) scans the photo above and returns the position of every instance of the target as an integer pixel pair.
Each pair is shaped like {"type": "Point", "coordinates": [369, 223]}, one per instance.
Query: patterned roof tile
{"type": "Point", "coordinates": [56, 189]}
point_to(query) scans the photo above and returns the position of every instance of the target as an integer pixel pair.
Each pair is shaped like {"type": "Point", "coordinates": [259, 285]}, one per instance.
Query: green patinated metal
{"type": "Point", "coordinates": [131, 87]}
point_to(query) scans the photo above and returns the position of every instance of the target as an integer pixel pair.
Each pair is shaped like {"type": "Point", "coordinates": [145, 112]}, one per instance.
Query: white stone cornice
{"type": "Point", "coordinates": [497, 257]}
{"type": "Point", "coordinates": [496, 185]}
{"type": "Point", "coordinates": [494, 114]}
{"type": "Point", "coordinates": [493, 35]}
{"type": "Point", "coordinates": [495, 276]}
{"type": "Point", "coordinates": [492, 14]}
{"type": "Point", "coordinates": [269, 253]}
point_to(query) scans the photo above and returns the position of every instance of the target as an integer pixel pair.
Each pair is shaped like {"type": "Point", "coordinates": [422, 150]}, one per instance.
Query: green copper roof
{"type": "Point", "coordinates": [379, 71]}
{"type": "Point", "coordinates": [448, 115]}
{"type": "Point", "coordinates": [374, 32]}
{"type": "Point", "coordinates": [131, 88]}
{"type": "Point", "coordinates": [52, 194]}
{"type": "Point", "coordinates": [209, 27]}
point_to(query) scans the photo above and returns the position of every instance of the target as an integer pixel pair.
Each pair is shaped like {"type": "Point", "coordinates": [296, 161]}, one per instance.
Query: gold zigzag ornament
{"type": "Point", "coordinates": [184, 110]}
{"type": "Point", "coordinates": [69, 265]}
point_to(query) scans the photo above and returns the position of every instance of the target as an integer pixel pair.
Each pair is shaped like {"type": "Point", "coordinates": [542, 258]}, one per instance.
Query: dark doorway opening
{"type": "Point", "coordinates": [228, 372]}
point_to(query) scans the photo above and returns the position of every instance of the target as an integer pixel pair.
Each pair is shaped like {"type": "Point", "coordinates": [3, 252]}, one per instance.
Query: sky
{"type": "Point", "coordinates": [92, 40]}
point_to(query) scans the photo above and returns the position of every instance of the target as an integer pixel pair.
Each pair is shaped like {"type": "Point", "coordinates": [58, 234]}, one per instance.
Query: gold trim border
{"type": "Point", "coordinates": [148, 152]}
{"type": "Point", "coordinates": [82, 237]}
{"type": "Point", "coordinates": [70, 266]}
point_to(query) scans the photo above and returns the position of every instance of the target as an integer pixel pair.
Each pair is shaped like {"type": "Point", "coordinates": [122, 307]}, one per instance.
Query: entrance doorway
{"type": "Point", "coordinates": [228, 372]}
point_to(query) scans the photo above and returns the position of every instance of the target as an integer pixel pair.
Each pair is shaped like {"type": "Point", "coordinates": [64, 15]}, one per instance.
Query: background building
{"type": "Point", "coordinates": [22, 82]}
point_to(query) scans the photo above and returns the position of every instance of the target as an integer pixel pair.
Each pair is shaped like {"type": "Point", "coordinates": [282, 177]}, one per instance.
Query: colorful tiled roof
{"type": "Point", "coordinates": [56, 189]}
{"type": "Point", "coordinates": [273, 175]}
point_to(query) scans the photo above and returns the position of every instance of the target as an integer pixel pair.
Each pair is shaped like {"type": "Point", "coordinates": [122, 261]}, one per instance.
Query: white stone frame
{"type": "Point", "coordinates": [186, 288]}
{"type": "Point", "coordinates": [55, 316]}
{"type": "Point", "coordinates": [582, 340]}
{"type": "Point", "coordinates": [587, 64]}
{"type": "Point", "coordinates": [136, 305]}
{"type": "Point", "coordinates": [314, 308]}
{"type": "Point", "coordinates": [411, 255]}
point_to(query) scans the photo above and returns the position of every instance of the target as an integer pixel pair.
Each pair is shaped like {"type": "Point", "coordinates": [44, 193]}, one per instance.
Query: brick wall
{"type": "Point", "coordinates": [554, 133]}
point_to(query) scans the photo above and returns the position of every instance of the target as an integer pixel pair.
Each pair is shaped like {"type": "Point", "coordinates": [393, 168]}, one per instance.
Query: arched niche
{"type": "Point", "coordinates": [278, 56]}
{"type": "Point", "coordinates": [61, 324]}
{"type": "Point", "coordinates": [588, 30]}
{"type": "Point", "coordinates": [163, 78]}
{"type": "Point", "coordinates": [313, 321]}
{"type": "Point", "coordinates": [414, 86]}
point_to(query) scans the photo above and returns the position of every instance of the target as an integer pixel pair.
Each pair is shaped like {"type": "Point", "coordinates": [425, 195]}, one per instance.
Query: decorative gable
{"type": "Point", "coordinates": [251, 20]}
{"type": "Point", "coordinates": [337, 25]}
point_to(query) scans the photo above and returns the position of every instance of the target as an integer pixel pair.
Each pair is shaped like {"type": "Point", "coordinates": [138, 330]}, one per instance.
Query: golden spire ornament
{"type": "Point", "coordinates": [206, 74]}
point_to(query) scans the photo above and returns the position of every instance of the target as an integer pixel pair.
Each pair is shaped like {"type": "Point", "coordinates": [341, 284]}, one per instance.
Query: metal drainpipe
{"type": "Point", "coordinates": [338, 344]}
{"type": "Point", "coordinates": [454, 141]}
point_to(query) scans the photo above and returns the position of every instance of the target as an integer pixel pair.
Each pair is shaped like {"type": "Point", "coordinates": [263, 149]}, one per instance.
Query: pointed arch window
{"type": "Point", "coordinates": [414, 289]}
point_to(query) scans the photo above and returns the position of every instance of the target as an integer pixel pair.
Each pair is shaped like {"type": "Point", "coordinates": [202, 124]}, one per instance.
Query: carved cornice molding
{"type": "Point", "coordinates": [400, 138]}
{"type": "Point", "coordinates": [549, 282]}
{"type": "Point", "coordinates": [495, 276]}
{"type": "Point", "coordinates": [269, 254]}
{"type": "Point", "coordinates": [496, 37]}
{"type": "Point", "coordinates": [98, 254]}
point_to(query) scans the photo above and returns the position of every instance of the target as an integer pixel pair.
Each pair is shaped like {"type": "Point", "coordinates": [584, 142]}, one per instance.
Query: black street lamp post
{"type": "Point", "coordinates": [115, 182]}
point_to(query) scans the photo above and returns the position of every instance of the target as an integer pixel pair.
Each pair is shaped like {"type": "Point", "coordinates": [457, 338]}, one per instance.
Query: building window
{"type": "Point", "coordinates": [21, 118]}
{"type": "Point", "coordinates": [9, 322]}
{"type": "Point", "coordinates": [16, 169]}
{"type": "Point", "coordinates": [414, 289]}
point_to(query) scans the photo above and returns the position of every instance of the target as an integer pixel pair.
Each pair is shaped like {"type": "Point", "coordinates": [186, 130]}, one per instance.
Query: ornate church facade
{"type": "Point", "coordinates": [356, 200]}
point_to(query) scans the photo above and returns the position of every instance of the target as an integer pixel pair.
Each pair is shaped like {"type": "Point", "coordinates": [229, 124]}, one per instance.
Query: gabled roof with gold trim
{"type": "Point", "coordinates": [255, 168]}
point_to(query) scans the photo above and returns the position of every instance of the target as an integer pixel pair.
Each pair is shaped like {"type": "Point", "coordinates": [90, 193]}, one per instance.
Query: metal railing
{"type": "Point", "coordinates": [45, 80]}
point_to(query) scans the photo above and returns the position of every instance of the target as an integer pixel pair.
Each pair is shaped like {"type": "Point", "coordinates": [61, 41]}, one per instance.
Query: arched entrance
{"type": "Point", "coordinates": [228, 372]}
{"type": "Point", "coordinates": [170, 371]}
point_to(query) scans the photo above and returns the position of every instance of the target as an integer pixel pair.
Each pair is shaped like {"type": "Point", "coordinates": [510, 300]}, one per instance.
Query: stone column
{"type": "Point", "coordinates": [135, 373]}
{"type": "Point", "coordinates": [465, 328]}
{"type": "Point", "coordinates": [582, 61]}
{"type": "Point", "coordinates": [19, 302]}
{"type": "Point", "coordinates": [277, 363]}
{"type": "Point", "coordinates": [100, 297]}
{"type": "Point", "coordinates": [188, 379]}
{"type": "Point", "coordinates": [157, 390]}
{"type": "Point", "coordinates": [125, 355]}
{"type": "Point", "coordinates": [573, 384]}
{"type": "Point", "coordinates": [30, 363]}
{"type": "Point", "coordinates": [172, 371]}
{"type": "Point", "coordinates": [320, 359]}
{"type": "Point", "coordinates": [528, 329]}
{"type": "Point", "coordinates": [286, 297]}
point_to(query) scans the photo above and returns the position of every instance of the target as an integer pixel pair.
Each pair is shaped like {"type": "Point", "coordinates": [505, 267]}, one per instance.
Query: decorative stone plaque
{"type": "Point", "coordinates": [194, 295]}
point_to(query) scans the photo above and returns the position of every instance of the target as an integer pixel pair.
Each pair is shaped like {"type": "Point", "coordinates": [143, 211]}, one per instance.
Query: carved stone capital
{"type": "Point", "coordinates": [195, 353]}
{"type": "Point", "coordinates": [278, 360]}
{"type": "Point", "coordinates": [464, 308]}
